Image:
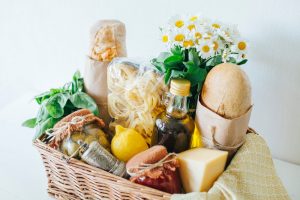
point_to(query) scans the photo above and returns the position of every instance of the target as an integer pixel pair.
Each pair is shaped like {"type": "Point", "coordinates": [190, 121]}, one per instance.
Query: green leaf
{"type": "Point", "coordinates": [76, 75]}
{"type": "Point", "coordinates": [214, 60]}
{"type": "Point", "coordinates": [55, 91]}
{"type": "Point", "coordinates": [77, 83]}
{"type": "Point", "coordinates": [30, 123]}
{"type": "Point", "coordinates": [190, 65]}
{"type": "Point", "coordinates": [82, 100]}
{"type": "Point", "coordinates": [173, 60]}
{"type": "Point", "coordinates": [194, 73]}
{"type": "Point", "coordinates": [162, 56]}
{"type": "Point", "coordinates": [55, 105]}
{"type": "Point", "coordinates": [176, 50]}
{"type": "Point", "coordinates": [193, 56]}
{"type": "Point", "coordinates": [177, 74]}
{"type": "Point", "coordinates": [242, 62]}
{"type": "Point", "coordinates": [80, 85]}
{"type": "Point", "coordinates": [69, 108]}
{"type": "Point", "coordinates": [45, 125]}
{"type": "Point", "coordinates": [168, 76]}
{"type": "Point", "coordinates": [232, 60]}
{"type": "Point", "coordinates": [41, 97]}
{"type": "Point", "coordinates": [74, 87]}
{"type": "Point", "coordinates": [42, 114]}
{"type": "Point", "coordinates": [160, 66]}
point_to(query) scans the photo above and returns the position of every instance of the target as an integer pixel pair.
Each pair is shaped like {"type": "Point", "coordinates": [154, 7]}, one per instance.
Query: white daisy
{"type": "Point", "coordinates": [191, 25]}
{"type": "Point", "coordinates": [225, 35]}
{"type": "Point", "coordinates": [240, 46]}
{"type": "Point", "coordinates": [205, 48]}
{"type": "Point", "coordinates": [198, 33]}
{"type": "Point", "coordinates": [178, 36]}
{"type": "Point", "coordinates": [165, 35]}
{"type": "Point", "coordinates": [218, 44]}
{"type": "Point", "coordinates": [189, 40]}
{"type": "Point", "coordinates": [177, 21]}
{"type": "Point", "coordinates": [215, 25]}
{"type": "Point", "coordinates": [194, 18]}
{"type": "Point", "coordinates": [233, 32]}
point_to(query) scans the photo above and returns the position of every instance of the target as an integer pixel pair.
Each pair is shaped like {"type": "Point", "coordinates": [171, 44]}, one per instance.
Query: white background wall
{"type": "Point", "coordinates": [43, 42]}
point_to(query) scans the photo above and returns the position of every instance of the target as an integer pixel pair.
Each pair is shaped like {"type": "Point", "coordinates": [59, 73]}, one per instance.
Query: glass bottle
{"type": "Point", "coordinates": [174, 127]}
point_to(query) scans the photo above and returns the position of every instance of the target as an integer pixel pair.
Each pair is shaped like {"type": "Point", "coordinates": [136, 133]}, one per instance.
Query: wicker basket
{"type": "Point", "coordinates": [76, 180]}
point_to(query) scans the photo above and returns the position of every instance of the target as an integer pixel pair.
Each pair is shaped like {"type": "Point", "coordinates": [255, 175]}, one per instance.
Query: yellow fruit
{"type": "Point", "coordinates": [126, 143]}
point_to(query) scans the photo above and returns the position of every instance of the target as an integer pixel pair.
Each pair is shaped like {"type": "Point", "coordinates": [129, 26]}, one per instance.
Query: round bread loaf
{"type": "Point", "coordinates": [150, 156]}
{"type": "Point", "coordinates": [227, 91]}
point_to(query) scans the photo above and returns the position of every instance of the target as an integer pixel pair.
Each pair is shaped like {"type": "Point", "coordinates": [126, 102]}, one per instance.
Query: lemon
{"type": "Point", "coordinates": [126, 143]}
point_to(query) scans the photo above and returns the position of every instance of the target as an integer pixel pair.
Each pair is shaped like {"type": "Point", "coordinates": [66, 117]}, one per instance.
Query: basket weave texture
{"type": "Point", "coordinates": [76, 180]}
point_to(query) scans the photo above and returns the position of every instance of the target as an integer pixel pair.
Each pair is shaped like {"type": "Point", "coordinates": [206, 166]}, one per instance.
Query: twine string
{"type": "Point", "coordinates": [213, 142]}
{"type": "Point", "coordinates": [53, 132]}
{"type": "Point", "coordinates": [146, 167]}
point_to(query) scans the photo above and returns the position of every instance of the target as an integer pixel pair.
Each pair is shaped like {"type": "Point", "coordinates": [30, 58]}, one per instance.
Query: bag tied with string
{"type": "Point", "coordinates": [107, 41]}
{"type": "Point", "coordinates": [224, 108]}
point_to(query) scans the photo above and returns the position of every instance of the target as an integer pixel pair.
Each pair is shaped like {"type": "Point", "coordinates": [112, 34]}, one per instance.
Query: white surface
{"type": "Point", "coordinates": [22, 175]}
{"type": "Point", "coordinates": [43, 42]}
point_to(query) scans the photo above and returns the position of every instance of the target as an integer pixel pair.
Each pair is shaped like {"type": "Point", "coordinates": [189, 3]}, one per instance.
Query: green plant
{"type": "Point", "coordinates": [187, 64]}
{"type": "Point", "coordinates": [57, 103]}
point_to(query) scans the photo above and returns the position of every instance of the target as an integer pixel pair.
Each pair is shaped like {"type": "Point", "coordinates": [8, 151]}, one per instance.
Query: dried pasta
{"type": "Point", "coordinates": [135, 97]}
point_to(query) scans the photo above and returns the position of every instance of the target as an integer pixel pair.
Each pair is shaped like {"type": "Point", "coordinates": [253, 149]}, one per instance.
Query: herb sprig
{"type": "Point", "coordinates": [58, 103]}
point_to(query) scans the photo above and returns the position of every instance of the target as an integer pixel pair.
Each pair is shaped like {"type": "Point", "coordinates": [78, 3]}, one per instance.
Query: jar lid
{"type": "Point", "coordinates": [180, 87]}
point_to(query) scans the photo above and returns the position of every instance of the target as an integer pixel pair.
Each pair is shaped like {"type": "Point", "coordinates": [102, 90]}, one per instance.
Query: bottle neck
{"type": "Point", "coordinates": [177, 106]}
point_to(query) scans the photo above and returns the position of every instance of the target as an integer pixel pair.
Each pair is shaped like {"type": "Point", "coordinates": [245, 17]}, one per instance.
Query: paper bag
{"type": "Point", "coordinates": [107, 41]}
{"type": "Point", "coordinates": [221, 133]}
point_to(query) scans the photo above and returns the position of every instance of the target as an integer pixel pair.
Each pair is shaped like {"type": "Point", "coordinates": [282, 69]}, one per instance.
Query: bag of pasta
{"type": "Point", "coordinates": [107, 41]}
{"type": "Point", "coordinates": [135, 95]}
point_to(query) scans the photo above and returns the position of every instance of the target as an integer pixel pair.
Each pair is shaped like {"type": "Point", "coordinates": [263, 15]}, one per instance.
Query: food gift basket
{"type": "Point", "coordinates": [175, 128]}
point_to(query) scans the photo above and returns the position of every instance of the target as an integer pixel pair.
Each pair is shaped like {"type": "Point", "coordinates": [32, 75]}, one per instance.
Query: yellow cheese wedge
{"type": "Point", "coordinates": [200, 168]}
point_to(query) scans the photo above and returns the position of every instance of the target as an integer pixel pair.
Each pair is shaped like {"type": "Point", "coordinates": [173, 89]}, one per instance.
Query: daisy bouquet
{"type": "Point", "coordinates": [194, 46]}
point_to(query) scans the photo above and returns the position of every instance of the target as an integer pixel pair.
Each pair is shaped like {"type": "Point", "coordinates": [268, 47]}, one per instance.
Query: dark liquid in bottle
{"type": "Point", "coordinates": [173, 133]}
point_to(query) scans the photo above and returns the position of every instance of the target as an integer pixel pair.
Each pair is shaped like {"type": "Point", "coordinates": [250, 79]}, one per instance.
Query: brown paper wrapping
{"type": "Point", "coordinates": [96, 85]}
{"type": "Point", "coordinates": [221, 133]}
{"type": "Point", "coordinates": [107, 41]}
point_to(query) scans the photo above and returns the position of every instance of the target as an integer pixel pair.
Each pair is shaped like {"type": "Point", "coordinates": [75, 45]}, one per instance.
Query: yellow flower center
{"type": "Point", "coordinates": [242, 45]}
{"type": "Point", "coordinates": [191, 26]}
{"type": "Point", "coordinates": [216, 46]}
{"type": "Point", "coordinates": [188, 43]}
{"type": "Point", "coordinates": [198, 35]}
{"type": "Point", "coordinates": [179, 37]}
{"type": "Point", "coordinates": [179, 23]}
{"type": "Point", "coordinates": [193, 18]}
{"type": "Point", "coordinates": [216, 25]}
{"type": "Point", "coordinates": [205, 49]}
{"type": "Point", "coordinates": [165, 38]}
